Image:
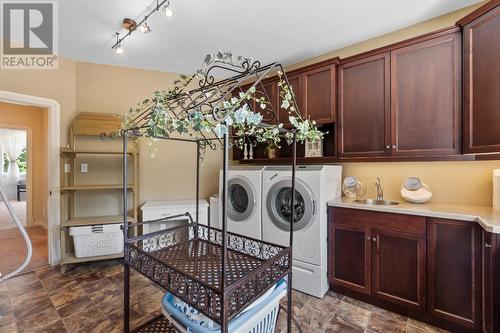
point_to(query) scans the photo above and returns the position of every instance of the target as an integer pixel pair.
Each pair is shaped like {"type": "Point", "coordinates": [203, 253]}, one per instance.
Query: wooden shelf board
{"type": "Point", "coordinates": [92, 152]}
{"type": "Point", "coordinates": [288, 160]}
{"type": "Point", "coordinates": [95, 187]}
{"type": "Point", "coordinates": [70, 258]}
{"type": "Point", "coordinates": [93, 220]}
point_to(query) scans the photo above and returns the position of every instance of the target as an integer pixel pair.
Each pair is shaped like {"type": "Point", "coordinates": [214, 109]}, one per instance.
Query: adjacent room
{"type": "Point", "coordinates": [250, 167]}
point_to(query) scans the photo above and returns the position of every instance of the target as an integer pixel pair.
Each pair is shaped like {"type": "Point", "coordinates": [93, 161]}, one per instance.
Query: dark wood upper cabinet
{"type": "Point", "coordinates": [350, 257]}
{"type": "Point", "coordinates": [268, 90]}
{"type": "Point", "coordinates": [454, 271]}
{"type": "Point", "coordinates": [319, 94]}
{"type": "Point", "coordinates": [481, 81]}
{"type": "Point", "coordinates": [399, 269]}
{"type": "Point", "coordinates": [402, 100]}
{"type": "Point", "coordinates": [295, 82]}
{"type": "Point", "coordinates": [364, 107]}
{"type": "Point", "coordinates": [425, 97]}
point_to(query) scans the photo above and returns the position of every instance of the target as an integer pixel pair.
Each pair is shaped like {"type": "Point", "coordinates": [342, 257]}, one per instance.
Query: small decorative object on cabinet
{"type": "Point", "coordinates": [314, 149]}
{"type": "Point", "coordinates": [84, 188]}
{"type": "Point", "coordinates": [271, 152]}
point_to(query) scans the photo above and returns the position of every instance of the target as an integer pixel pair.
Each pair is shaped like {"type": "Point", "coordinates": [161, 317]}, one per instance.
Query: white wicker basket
{"type": "Point", "coordinates": [97, 240]}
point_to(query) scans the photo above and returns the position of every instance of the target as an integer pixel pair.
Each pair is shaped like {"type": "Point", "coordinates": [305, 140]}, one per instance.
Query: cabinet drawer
{"type": "Point", "coordinates": [384, 221]}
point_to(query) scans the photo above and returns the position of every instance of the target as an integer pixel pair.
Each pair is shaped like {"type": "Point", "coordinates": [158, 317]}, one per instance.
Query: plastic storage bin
{"type": "Point", "coordinates": [97, 240]}
{"type": "Point", "coordinates": [258, 317]}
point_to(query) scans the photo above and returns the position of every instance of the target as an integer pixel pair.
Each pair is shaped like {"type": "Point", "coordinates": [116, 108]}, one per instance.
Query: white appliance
{"type": "Point", "coordinates": [314, 186]}
{"type": "Point", "coordinates": [496, 189]}
{"type": "Point", "coordinates": [155, 210]}
{"type": "Point", "coordinates": [215, 218]}
{"type": "Point", "coordinates": [244, 191]}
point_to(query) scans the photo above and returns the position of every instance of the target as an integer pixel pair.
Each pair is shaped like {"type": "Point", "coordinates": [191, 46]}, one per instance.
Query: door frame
{"type": "Point", "coordinates": [53, 167]}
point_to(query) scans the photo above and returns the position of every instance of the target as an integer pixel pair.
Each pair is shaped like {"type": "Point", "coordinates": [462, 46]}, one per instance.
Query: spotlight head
{"type": "Point", "coordinates": [144, 28]}
{"type": "Point", "coordinates": [119, 49]}
{"type": "Point", "coordinates": [167, 10]}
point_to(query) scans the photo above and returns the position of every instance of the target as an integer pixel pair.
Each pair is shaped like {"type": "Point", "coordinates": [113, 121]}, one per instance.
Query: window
{"type": "Point", "coordinates": [22, 161]}
{"type": "Point", "coordinates": [5, 161]}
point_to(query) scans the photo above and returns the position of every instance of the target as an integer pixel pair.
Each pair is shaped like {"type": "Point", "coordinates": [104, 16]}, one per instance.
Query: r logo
{"type": "Point", "coordinates": [28, 28]}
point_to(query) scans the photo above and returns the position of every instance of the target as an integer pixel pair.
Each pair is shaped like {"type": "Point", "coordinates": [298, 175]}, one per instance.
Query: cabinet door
{"type": "Point", "coordinates": [320, 94]}
{"type": "Point", "coordinates": [487, 272]}
{"type": "Point", "coordinates": [350, 257]}
{"type": "Point", "coordinates": [481, 83]}
{"type": "Point", "coordinates": [399, 268]}
{"type": "Point", "coordinates": [425, 97]}
{"type": "Point", "coordinates": [490, 272]}
{"type": "Point", "coordinates": [454, 271]}
{"type": "Point", "coordinates": [364, 107]}
{"type": "Point", "coordinates": [295, 82]}
{"type": "Point", "coordinates": [268, 90]}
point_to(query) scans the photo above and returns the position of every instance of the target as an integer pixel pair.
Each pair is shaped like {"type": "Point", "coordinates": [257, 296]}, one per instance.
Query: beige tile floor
{"type": "Point", "coordinates": [339, 313]}
{"type": "Point", "coordinates": [89, 298]}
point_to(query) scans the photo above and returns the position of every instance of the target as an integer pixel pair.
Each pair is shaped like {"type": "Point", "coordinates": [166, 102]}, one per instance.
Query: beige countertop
{"type": "Point", "coordinates": [486, 216]}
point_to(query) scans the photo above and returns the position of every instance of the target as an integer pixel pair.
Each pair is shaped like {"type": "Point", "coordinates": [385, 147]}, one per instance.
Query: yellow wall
{"type": "Point", "coordinates": [34, 120]}
{"type": "Point", "coordinates": [467, 182]}
{"type": "Point", "coordinates": [54, 84]}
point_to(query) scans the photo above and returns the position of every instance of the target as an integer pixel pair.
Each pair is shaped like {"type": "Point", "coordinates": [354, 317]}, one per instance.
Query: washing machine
{"type": "Point", "coordinates": [244, 202]}
{"type": "Point", "coordinates": [314, 186]}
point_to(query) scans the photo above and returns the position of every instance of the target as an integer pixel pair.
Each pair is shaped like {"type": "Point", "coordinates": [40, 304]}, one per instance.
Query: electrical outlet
{"type": "Point", "coordinates": [67, 168]}
{"type": "Point", "coordinates": [84, 167]}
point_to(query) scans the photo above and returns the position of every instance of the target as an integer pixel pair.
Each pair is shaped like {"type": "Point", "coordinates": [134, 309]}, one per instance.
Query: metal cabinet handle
{"type": "Point", "coordinates": [387, 147]}
{"type": "Point", "coordinates": [486, 245]}
{"type": "Point", "coordinates": [393, 146]}
{"type": "Point", "coordinates": [374, 239]}
{"type": "Point", "coordinates": [368, 238]}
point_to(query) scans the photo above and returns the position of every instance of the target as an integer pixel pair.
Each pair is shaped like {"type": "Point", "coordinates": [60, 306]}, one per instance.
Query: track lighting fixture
{"type": "Point", "coordinates": [131, 25]}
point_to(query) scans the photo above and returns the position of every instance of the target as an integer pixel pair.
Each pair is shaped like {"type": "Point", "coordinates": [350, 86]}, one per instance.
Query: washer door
{"type": "Point", "coordinates": [279, 207]}
{"type": "Point", "coordinates": [241, 199]}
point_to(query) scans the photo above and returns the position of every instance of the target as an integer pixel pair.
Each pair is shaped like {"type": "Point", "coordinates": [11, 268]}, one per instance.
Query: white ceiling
{"type": "Point", "coordinates": [285, 30]}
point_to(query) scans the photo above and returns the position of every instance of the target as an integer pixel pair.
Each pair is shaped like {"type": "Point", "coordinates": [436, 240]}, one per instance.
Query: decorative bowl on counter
{"type": "Point", "coordinates": [414, 191]}
{"type": "Point", "coordinates": [353, 188]}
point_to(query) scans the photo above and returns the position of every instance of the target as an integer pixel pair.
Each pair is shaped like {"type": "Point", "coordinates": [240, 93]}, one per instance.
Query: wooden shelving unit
{"type": "Point", "coordinates": [99, 128]}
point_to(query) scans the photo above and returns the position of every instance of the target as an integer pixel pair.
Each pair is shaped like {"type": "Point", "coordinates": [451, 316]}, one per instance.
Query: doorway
{"type": "Point", "coordinates": [23, 177]}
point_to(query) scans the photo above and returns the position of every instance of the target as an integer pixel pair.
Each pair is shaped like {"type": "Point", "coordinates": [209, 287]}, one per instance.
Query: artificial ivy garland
{"type": "Point", "coordinates": [233, 112]}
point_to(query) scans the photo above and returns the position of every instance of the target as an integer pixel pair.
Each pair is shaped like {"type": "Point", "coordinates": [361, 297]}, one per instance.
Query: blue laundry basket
{"type": "Point", "coordinates": [258, 317]}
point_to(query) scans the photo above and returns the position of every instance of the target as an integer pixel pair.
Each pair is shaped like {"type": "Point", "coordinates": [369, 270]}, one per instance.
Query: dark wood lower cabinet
{"type": "Point", "coordinates": [454, 271]}
{"type": "Point", "coordinates": [491, 281]}
{"type": "Point", "coordinates": [441, 271]}
{"type": "Point", "coordinates": [399, 271]}
{"type": "Point", "coordinates": [352, 271]}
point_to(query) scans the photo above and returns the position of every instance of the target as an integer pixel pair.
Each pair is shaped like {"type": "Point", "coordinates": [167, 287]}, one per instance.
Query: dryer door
{"type": "Point", "coordinates": [279, 205]}
{"type": "Point", "coordinates": [241, 199]}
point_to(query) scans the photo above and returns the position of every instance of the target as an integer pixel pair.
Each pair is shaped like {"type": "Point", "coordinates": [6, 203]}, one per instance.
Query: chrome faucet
{"type": "Point", "coordinates": [380, 189]}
